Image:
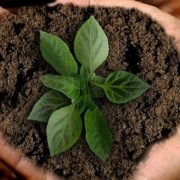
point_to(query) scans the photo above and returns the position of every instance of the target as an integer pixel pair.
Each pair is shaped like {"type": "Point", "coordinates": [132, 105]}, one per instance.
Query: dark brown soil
{"type": "Point", "coordinates": [137, 44]}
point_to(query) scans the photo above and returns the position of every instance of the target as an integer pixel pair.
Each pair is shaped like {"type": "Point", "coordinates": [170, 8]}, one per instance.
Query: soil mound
{"type": "Point", "coordinates": [137, 44]}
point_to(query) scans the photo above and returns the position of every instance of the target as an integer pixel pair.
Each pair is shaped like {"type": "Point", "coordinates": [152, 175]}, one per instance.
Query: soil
{"type": "Point", "coordinates": [137, 44]}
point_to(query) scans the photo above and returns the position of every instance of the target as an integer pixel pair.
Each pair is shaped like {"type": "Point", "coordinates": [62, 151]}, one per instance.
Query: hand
{"type": "Point", "coordinates": [163, 159]}
{"type": "Point", "coordinates": [2, 12]}
{"type": "Point", "coordinates": [14, 166]}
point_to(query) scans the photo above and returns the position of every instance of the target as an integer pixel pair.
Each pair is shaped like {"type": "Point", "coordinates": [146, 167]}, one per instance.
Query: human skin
{"type": "Point", "coordinates": [162, 162]}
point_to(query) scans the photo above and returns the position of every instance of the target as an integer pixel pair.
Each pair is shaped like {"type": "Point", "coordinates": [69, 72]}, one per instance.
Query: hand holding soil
{"type": "Point", "coordinates": [163, 159]}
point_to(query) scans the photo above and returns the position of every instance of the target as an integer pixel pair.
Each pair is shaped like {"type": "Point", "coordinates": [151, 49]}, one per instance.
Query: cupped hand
{"type": "Point", "coordinates": [162, 162]}
{"type": "Point", "coordinates": [14, 166]}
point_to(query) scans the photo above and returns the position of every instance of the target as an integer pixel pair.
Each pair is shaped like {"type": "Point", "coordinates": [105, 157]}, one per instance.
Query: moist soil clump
{"type": "Point", "coordinates": [137, 44]}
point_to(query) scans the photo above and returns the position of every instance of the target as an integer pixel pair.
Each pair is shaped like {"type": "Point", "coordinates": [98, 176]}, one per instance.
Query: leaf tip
{"type": "Point", "coordinates": [52, 151]}
{"type": "Point", "coordinates": [29, 118]}
{"type": "Point", "coordinates": [147, 86]}
{"type": "Point", "coordinates": [42, 33]}
{"type": "Point", "coordinates": [52, 154]}
{"type": "Point", "coordinates": [92, 17]}
{"type": "Point", "coordinates": [104, 158]}
{"type": "Point", "coordinates": [42, 78]}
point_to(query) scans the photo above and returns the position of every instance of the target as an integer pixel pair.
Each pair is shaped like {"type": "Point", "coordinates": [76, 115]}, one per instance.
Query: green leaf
{"type": "Point", "coordinates": [85, 101]}
{"type": "Point", "coordinates": [70, 86]}
{"type": "Point", "coordinates": [80, 105]}
{"type": "Point", "coordinates": [64, 129]}
{"type": "Point", "coordinates": [89, 103]}
{"type": "Point", "coordinates": [84, 72]}
{"type": "Point", "coordinates": [98, 134]}
{"type": "Point", "coordinates": [47, 104]}
{"type": "Point", "coordinates": [57, 54]}
{"type": "Point", "coordinates": [91, 45]}
{"type": "Point", "coordinates": [122, 87]}
{"type": "Point", "coordinates": [96, 90]}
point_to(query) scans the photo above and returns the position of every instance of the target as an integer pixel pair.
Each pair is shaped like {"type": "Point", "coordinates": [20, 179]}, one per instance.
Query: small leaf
{"type": "Point", "coordinates": [96, 90]}
{"type": "Point", "coordinates": [122, 87]}
{"type": "Point", "coordinates": [70, 86]}
{"type": "Point", "coordinates": [57, 54]}
{"type": "Point", "coordinates": [98, 134]}
{"type": "Point", "coordinates": [91, 45]}
{"type": "Point", "coordinates": [47, 104]}
{"type": "Point", "coordinates": [64, 129]}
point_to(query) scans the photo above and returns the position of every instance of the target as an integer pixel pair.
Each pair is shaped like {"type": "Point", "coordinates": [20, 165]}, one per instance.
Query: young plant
{"type": "Point", "coordinates": [71, 97]}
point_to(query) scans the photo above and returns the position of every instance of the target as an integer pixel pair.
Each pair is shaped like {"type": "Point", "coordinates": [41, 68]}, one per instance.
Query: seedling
{"type": "Point", "coordinates": [71, 99]}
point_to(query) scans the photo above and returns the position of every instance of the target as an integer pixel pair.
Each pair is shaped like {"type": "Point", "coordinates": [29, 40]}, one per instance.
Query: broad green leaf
{"type": "Point", "coordinates": [70, 86]}
{"type": "Point", "coordinates": [91, 45]}
{"type": "Point", "coordinates": [57, 54]}
{"type": "Point", "coordinates": [122, 87]}
{"type": "Point", "coordinates": [96, 90]}
{"type": "Point", "coordinates": [64, 129]}
{"type": "Point", "coordinates": [98, 134]}
{"type": "Point", "coordinates": [47, 104]}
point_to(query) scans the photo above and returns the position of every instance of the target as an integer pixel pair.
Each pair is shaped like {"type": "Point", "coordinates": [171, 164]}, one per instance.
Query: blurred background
{"type": "Point", "coordinates": [169, 6]}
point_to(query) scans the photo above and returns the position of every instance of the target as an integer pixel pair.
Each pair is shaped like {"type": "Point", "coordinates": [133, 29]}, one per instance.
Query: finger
{"type": "Point", "coordinates": [172, 7]}
{"type": "Point", "coordinates": [155, 2]}
{"type": "Point", "coordinates": [6, 172]}
{"type": "Point", "coordinates": [162, 162]}
{"type": "Point", "coordinates": [2, 12]}
{"type": "Point", "coordinates": [21, 165]}
{"type": "Point", "coordinates": [84, 3]}
{"type": "Point", "coordinates": [15, 160]}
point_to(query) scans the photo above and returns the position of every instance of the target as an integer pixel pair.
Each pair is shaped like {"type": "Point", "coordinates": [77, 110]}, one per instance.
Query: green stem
{"type": "Point", "coordinates": [87, 88]}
